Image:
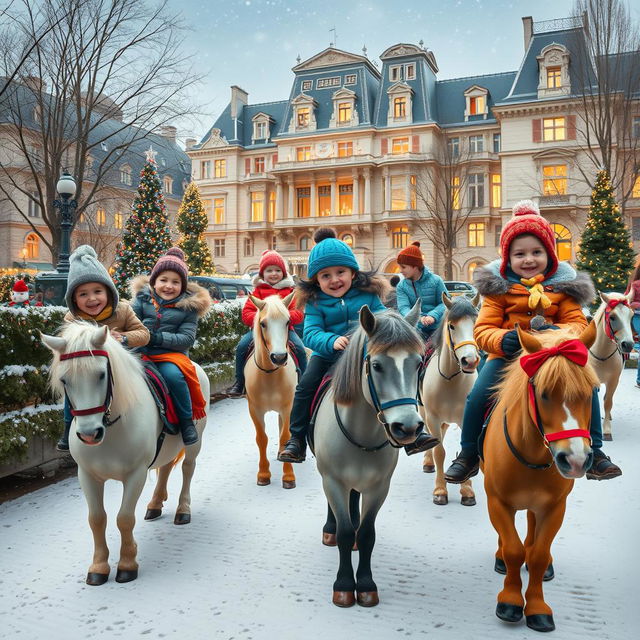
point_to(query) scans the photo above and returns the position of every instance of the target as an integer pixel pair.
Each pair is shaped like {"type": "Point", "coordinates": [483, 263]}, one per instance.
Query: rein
{"type": "Point", "coordinates": [454, 347]}
{"type": "Point", "coordinates": [266, 346]}
{"type": "Point", "coordinates": [105, 407]}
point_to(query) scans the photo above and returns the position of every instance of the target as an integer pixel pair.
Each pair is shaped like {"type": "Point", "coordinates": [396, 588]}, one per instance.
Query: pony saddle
{"type": "Point", "coordinates": [290, 348]}
{"type": "Point", "coordinates": [162, 398]}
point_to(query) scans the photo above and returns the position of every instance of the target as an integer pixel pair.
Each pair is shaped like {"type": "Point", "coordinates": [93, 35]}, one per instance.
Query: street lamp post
{"type": "Point", "coordinates": [66, 188]}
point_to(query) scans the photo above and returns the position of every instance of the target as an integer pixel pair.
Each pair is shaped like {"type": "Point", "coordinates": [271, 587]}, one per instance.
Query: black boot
{"type": "Point", "coordinates": [63, 443]}
{"type": "Point", "coordinates": [465, 466]}
{"type": "Point", "coordinates": [602, 467]}
{"type": "Point", "coordinates": [294, 451]}
{"type": "Point", "coordinates": [189, 433]}
{"type": "Point", "coordinates": [236, 389]}
{"type": "Point", "coordinates": [424, 442]}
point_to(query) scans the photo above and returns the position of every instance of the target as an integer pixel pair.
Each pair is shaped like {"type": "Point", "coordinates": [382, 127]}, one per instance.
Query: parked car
{"type": "Point", "coordinates": [221, 288]}
{"type": "Point", "coordinates": [459, 288]}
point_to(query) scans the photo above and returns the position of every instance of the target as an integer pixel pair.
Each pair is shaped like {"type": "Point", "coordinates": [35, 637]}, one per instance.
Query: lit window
{"type": "Point", "coordinates": [399, 107]}
{"type": "Point", "coordinates": [117, 220]}
{"type": "Point", "coordinates": [399, 145]}
{"type": "Point", "coordinates": [218, 211]}
{"type": "Point", "coordinates": [409, 71]}
{"type": "Point", "coordinates": [205, 169]}
{"type": "Point", "coordinates": [304, 243]}
{"type": "Point", "coordinates": [554, 180]}
{"type": "Point", "coordinates": [258, 165]}
{"type": "Point", "coordinates": [257, 206]}
{"type": "Point", "coordinates": [271, 213]}
{"type": "Point", "coordinates": [554, 78]}
{"type": "Point", "coordinates": [476, 144]}
{"type": "Point", "coordinates": [219, 248]}
{"type": "Point", "coordinates": [248, 247]}
{"type": "Point", "coordinates": [563, 241]}
{"type": "Point", "coordinates": [476, 234]}
{"type": "Point", "coordinates": [412, 192]}
{"type": "Point", "coordinates": [347, 238]}
{"type": "Point", "coordinates": [303, 154]}
{"type": "Point", "coordinates": [220, 168]}
{"type": "Point", "coordinates": [476, 190]}
{"type": "Point", "coordinates": [101, 217]}
{"type": "Point", "coordinates": [398, 193]}
{"type": "Point", "coordinates": [455, 193]}
{"type": "Point", "coordinates": [345, 149]}
{"type": "Point", "coordinates": [167, 184]}
{"type": "Point", "coordinates": [303, 116]}
{"type": "Point", "coordinates": [324, 200]}
{"type": "Point", "coordinates": [125, 175]}
{"type": "Point", "coordinates": [477, 105]}
{"type": "Point", "coordinates": [32, 244]}
{"type": "Point", "coordinates": [345, 199]}
{"type": "Point", "coordinates": [635, 193]}
{"type": "Point", "coordinates": [400, 237]}
{"type": "Point", "coordinates": [553, 129]}
{"type": "Point", "coordinates": [304, 202]}
{"type": "Point", "coordinates": [496, 190]}
{"type": "Point", "coordinates": [344, 112]}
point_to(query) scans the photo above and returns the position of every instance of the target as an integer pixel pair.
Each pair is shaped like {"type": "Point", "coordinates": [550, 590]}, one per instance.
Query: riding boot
{"type": "Point", "coordinates": [465, 466]}
{"type": "Point", "coordinates": [602, 467]}
{"type": "Point", "coordinates": [63, 443]}
{"type": "Point", "coordinates": [236, 389]}
{"type": "Point", "coordinates": [424, 442]}
{"type": "Point", "coordinates": [294, 451]}
{"type": "Point", "coordinates": [189, 433]}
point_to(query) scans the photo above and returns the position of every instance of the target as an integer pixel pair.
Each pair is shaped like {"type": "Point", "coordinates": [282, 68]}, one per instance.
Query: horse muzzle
{"type": "Point", "coordinates": [626, 346]}
{"type": "Point", "coordinates": [92, 439]}
{"type": "Point", "coordinates": [406, 432]}
{"type": "Point", "coordinates": [573, 465]}
{"type": "Point", "coordinates": [279, 359]}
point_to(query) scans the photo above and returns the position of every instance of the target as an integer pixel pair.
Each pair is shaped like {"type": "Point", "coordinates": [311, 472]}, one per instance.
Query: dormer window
{"type": "Point", "coordinates": [344, 112]}
{"type": "Point", "coordinates": [260, 130]}
{"type": "Point", "coordinates": [303, 117]}
{"type": "Point", "coordinates": [125, 174]}
{"type": "Point", "coordinates": [400, 104]}
{"type": "Point", "coordinates": [167, 184]}
{"type": "Point", "coordinates": [410, 71]}
{"type": "Point", "coordinates": [344, 109]}
{"type": "Point", "coordinates": [553, 68]}
{"type": "Point", "coordinates": [395, 73]}
{"type": "Point", "coordinates": [261, 127]}
{"type": "Point", "coordinates": [476, 103]}
{"type": "Point", "coordinates": [554, 77]}
{"type": "Point", "coordinates": [399, 107]}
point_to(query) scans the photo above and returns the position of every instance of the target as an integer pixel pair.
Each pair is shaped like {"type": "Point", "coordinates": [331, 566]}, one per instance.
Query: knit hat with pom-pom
{"type": "Point", "coordinates": [271, 259]}
{"type": "Point", "coordinates": [329, 252]}
{"type": "Point", "coordinates": [173, 260]}
{"type": "Point", "coordinates": [20, 286]}
{"type": "Point", "coordinates": [411, 256]}
{"type": "Point", "coordinates": [84, 267]}
{"type": "Point", "coordinates": [527, 220]}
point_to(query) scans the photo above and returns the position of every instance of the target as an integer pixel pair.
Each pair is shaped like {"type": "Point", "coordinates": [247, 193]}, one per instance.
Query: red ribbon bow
{"type": "Point", "coordinates": [574, 350]}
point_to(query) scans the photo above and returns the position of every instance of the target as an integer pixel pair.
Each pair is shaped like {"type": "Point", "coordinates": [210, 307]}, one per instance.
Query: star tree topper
{"type": "Point", "coordinates": [151, 154]}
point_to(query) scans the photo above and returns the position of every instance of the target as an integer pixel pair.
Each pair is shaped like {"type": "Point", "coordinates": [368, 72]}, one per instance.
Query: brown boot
{"type": "Point", "coordinates": [424, 442]}
{"type": "Point", "coordinates": [602, 467]}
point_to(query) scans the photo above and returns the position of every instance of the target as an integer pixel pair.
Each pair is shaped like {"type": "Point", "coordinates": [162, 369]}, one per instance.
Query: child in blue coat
{"type": "Point", "coordinates": [334, 294]}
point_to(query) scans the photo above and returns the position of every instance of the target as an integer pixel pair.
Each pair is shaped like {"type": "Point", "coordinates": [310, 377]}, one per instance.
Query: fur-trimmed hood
{"type": "Point", "coordinates": [566, 279]}
{"type": "Point", "coordinates": [378, 285]}
{"type": "Point", "coordinates": [195, 298]}
{"type": "Point", "coordinates": [286, 282]}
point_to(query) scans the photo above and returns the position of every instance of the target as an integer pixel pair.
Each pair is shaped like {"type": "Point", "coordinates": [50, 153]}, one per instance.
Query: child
{"type": "Point", "coordinates": [272, 280]}
{"type": "Point", "coordinates": [91, 295]}
{"type": "Point", "coordinates": [527, 247]}
{"type": "Point", "coordinates": [334, 293]}
{"type": "Point", "coordinates": [169, 307]}
{"type": "Point", "coordinates": [634, 285]}
{"type": "Point", "coordinates": [419, 282]}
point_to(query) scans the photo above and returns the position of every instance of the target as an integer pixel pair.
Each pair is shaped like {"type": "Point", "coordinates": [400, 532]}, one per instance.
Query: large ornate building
{"type": "Point", "coordinates": [353, 144]}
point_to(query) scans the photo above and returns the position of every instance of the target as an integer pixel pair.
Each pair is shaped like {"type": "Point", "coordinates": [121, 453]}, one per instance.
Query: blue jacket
{"type": "Point", "coordinates": [429, 288]}
{"type": "Point", "coordinates": [327, 318]}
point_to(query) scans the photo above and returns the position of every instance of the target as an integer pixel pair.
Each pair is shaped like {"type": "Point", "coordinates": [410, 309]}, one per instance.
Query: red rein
{"type": "Point", "coordinates": [611, 305]}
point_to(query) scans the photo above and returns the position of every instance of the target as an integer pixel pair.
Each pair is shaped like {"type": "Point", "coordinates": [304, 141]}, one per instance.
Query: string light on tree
{"type": "Point", "coordinates": [192, 223]}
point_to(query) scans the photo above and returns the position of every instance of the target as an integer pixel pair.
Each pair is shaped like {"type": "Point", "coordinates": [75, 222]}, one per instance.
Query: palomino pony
{"type": "Point", "coordinates": [270, 379]}
{"type": "Point", "coordinates": [369, 411]}
{"type": "Point", "coordinates": [614, 338]}
{"type": "Point", "coordinates": [537, 442]}
{"type": "Point", "coordinates": [448, 379]}
{"type": "Point", "coordinates": [115, 435]}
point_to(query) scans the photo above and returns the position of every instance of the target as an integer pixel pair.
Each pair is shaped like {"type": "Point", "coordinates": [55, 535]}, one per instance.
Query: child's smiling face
{"type": "Point", "coordinates": [91, 298]}
{"type": "Point", "coordinates": [335, 281]}
{"type": "Point", "coordinates": [527, 256]}
{"type": "Point", "coordinates": [168, 285]}
{"type": "Point", "coordinates": [272, 275]}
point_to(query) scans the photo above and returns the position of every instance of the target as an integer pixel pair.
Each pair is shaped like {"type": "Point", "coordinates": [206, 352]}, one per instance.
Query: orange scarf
{"type": "Point", "coordinates": [107, 312]}
{"type": "Point", "coordinates": [198, 402]}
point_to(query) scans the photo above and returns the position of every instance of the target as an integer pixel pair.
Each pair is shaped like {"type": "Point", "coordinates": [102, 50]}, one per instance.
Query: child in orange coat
{"type": "Point", "coordinates": [527, 286]}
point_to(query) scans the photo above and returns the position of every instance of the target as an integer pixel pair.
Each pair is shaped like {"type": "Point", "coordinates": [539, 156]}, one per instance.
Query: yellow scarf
{"type": "Point", "coordinates": [537, 296]}
{"type": "Point", "coordinates": [107, 312]}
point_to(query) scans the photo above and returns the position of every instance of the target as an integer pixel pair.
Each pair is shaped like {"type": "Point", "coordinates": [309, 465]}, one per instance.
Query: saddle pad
{"type": "Point", "coordinates": [315, 404]}
{"type": "Point", "coordinates": [162, 397]}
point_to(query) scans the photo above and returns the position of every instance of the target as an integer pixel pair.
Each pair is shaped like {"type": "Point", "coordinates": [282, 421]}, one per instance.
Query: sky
{"type": "Point", "coordinates": [255, 43]}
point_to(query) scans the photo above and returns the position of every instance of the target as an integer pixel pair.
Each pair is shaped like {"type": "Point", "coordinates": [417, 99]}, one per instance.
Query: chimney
{"type": "Point", "coordinates": [169, 132]}
{"type": "Point", "coordinates": [527, 24]}
{"type": "Point", "coordinates": [190, 142]}
{"type": "Point", "coordinates": [239, 98]}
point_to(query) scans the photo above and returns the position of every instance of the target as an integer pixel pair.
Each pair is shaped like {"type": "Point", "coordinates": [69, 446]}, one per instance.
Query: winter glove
{"type": "Point", "coordinates": [156, 339]}
{"type": "Point", "coordinates": [510, 343]}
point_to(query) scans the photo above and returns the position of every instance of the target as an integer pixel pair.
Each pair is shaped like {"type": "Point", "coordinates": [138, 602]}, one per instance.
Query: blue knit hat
{"type": "Point", "coordinates": [330, 252]}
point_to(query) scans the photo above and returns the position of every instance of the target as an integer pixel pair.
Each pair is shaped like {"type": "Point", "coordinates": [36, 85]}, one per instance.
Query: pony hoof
{"type": "Point", "coordinates": [182, 518]}
{"type": "Point", "coordinates": [607, 436]}
{"type": "Point", "coordinates": [96, 579]}
{"type": "Point", "coordinates": [329, 539]}
{"type": "Point", "coordinates": [126, 575]}
{"type": "Point", "coordinates": [509, 612]}
{"type": "Point", "coordinates": [152, 514]}
{"type": "Point", "coordinates": [500, 567]}
{"type": "Point", "coordinates": [549, 574]}
{"type": "Point", "coordinates": [263, 482]}
{"type": "Point", "coordinates": [288, 484]}
{"type": "Point", "coordinates": [368, 598]}
{"type": "Point", "coordinates": [468, 501]}
{"type": "Point", "coordinates": [441, 500]}
{"type": "Point", "coordinates": [343, 599]}
{"type": "Point", "coordinates": [428, 468]}
{"type": "Point", "coordinates": [541, 622]}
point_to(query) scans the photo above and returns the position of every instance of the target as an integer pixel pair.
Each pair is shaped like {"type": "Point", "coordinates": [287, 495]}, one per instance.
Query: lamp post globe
{"type": "Point", "coordinates": [66, 187]}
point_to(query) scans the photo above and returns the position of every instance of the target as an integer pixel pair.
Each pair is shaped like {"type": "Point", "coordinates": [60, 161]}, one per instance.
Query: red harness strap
{"type": "Point", "coordinates": [611, 305]}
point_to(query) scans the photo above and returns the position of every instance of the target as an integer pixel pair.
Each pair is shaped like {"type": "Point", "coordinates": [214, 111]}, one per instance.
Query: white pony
{"type": "Point", "coordinates": [115, 435]}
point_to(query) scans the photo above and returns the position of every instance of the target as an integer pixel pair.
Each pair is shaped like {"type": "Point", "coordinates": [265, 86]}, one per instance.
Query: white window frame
{"type": "Point", "coordinates": [554, 55]}
{"type": "Point", "coordinates": [340, 97]}
{"type": "Point", "coordinates": [476, 143]}
{"type": "Point", "coordinates": [395, 73]}
{"type": "Point", "coordinates": [476, 92]}
{"type": "Point", "coordinates": [410, 71]}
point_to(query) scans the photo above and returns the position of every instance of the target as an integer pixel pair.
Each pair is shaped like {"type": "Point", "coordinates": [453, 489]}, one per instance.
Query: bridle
{"type": "Point", "coordinates": [266, 346]}
{"type": "Point", "coordinates": [454, 347]}
{"type": "Point", "coordinates": [105, 407]}
{"type": "Point", "coordinates": [609, 332]}
{"type": "Point", "coordinates": [575, 351]}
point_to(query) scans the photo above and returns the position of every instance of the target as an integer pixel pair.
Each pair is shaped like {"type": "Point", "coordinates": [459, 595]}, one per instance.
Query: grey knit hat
{"type": "Point", "coordinates": [84, 266]}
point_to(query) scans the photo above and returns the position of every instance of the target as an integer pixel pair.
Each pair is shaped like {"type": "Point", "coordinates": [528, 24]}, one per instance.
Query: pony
{"type": "Point", "coordinates": [448, 379]}
{"type": "Point", "coordinates": [116, 434]}
{"type": "Point", "coordinates": [270, 379]}
{"type": "Point", "coordinates": [536, 444]}
{"type": "Point", "coordinates": [614, 338]}
{"type": "Point", "coordinates": [368, 412]}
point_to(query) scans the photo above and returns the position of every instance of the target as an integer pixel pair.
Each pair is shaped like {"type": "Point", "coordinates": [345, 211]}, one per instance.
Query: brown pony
{"type": "Point", "coordinates": [536, 444]}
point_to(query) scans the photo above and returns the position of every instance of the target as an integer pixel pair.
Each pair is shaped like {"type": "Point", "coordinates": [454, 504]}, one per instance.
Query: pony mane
{"type": "Point", "coordinates": [124, 365]}
{"type": "Point", "coordinates": [461, 308]}
{"type": "Point", "coordinates": [392, 331]}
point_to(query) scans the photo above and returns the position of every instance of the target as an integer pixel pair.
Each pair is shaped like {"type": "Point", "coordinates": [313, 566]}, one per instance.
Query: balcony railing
{"type": "Point", "coordinates": [324, 162]}
{"type": "Point", "coordinates": [557, 200]}
{"type": "Point", "coordinates": [363, 218]}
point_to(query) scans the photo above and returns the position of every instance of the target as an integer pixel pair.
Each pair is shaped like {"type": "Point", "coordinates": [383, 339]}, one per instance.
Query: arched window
{"type": "Point", "coordinates": [32, 244]}
{"type": "Point", "coordinates": [347, 238]}
{"type": "Point", "coordinates": [563, 241]}
{"type": "Point", "coordinates": [304, 243]}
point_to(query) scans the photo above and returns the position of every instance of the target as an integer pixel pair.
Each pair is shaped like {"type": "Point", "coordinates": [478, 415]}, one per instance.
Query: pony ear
{"type": "Point", "coordinates": [54, 343]}
{"type": "Point", "coordinates": [414, 314]}
{"type": "Point", "coordinates": [367, 320]}
{"type": "Point", "coordinates": [100, 336]}
{"type": "Point", "coordinates": [604, 297]}
{"type": "Point", "coordinates": [588, 335]}
{"type": "Point", "coordinates": [529, 343]}
{"type": "Point", "coordinates": [257, 301]}
{"type": "Point", "coordinates": [287, 301]}
{"type": "Point", "coordinates": [476, 300]}
{"type": "Point", "coordinates": [447, 300]}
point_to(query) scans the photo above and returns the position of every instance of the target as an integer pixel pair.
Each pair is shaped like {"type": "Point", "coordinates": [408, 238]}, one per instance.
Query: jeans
{"type": "Point", "coordinates": [178, 388]}
{"type": "Point", "coordinates": [478, 403]}
{"type": "Point", "coordinates": [67, 411]}
{"type": "Point", "coordinates": [245, 343]}
{"type": "Point", "coordinates": [635, 323]}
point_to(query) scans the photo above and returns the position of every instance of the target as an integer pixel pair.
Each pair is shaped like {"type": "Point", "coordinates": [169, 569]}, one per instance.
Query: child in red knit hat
{"type": "Point", "coordinates": [527, 286]}
{"type": "Point", "coordinates": [272, 280]}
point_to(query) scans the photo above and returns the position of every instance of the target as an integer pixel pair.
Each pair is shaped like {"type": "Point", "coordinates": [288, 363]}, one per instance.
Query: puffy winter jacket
{"type": "Point", "coordinates": [429, 288]}
{"type": "Point", "coordinates": [263, 290]}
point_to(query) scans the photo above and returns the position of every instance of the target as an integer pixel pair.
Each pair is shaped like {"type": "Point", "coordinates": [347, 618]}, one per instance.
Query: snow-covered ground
{"type": "Point", "coordinates": [251, 564]}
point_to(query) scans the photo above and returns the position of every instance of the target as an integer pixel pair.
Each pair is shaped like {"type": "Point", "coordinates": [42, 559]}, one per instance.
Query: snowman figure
{"type": "Point", "coordinates": [20, 295]}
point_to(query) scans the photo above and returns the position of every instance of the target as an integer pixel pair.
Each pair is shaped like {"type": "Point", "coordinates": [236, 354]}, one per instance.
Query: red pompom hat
{"type": "Point", "coordinates": [527, 219]}
{"type": "Point", "coordinates": [271, 259]}
{"type": "Point", "coordinates": [411, 256]}
{"type": "Point", "coordinates": [20, 286]}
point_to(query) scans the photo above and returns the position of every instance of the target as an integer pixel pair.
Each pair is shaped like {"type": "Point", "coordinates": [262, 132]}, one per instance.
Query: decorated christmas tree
{"type": "Point", "coordinates": [146, 235]}
{"type": "Point", "coordinates": [192, 223]}
{"type": "Point", "coordinates": [605, 247]}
